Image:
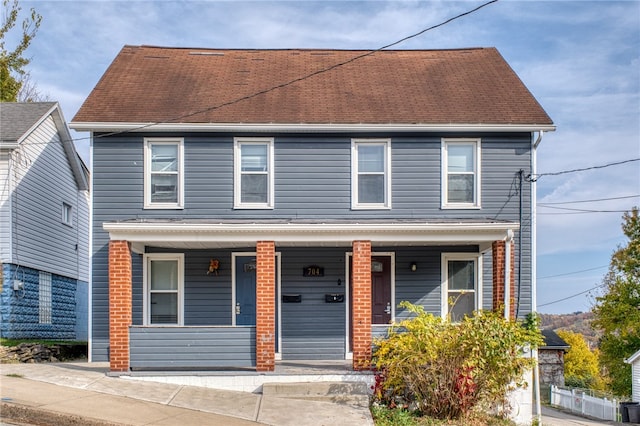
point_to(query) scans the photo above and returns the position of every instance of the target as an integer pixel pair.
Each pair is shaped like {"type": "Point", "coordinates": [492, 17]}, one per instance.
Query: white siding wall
{"type": "Point", "coordinates": [43, 182]}
{"type": "Point", "coordinates": [635, 381]}
{"type": "Point", "coordinates": [84, 199]}
{"type": "Point", "coordinates": [5, 213]}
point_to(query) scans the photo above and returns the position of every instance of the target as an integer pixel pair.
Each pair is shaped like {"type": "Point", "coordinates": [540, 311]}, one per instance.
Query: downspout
{"type": "Point", "coordinates": [534, 284]}
{"type": "Point", "coordinates": [534, 224]}
{"type": "Point", "coordinates": [89, 256]}
{"type": "Point", "coordinates": [507, 274]}
{"type": "Point", "coordinates": [10, 183]}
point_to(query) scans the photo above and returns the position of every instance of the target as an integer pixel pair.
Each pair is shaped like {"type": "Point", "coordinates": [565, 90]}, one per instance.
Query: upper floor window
{"type": "Point", "coordinates": [461, 173]}
{"type": "Point", "coordinates": [253, 173]}
{"type": "Point", "coordinates": [163, 288]}
{"type": "Point", "coordinates": [67, 217]}
{"type": "Point", "coordinates": [371, 173]}
{"type": "Point", "coordinates": [461, 292]}
{"type": "Point", "coordinates": [164, 174]}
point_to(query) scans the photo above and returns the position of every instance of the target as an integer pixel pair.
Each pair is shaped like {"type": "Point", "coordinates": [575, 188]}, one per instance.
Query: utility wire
{"type": "Point", "coordinates": [589, 201]}
{"type": "Point", "coordinates": [571, 213]}
{"type": "Point", "coordinates": [534, 178]}
{"type": "Point", "coordinates": [573, 273]}
{"type": "Point", "coordinates": [299, 79]}
{"type": "Point", "coordinates": [585, 210]}
{"type": "Point", "coordinates": [571, 297]}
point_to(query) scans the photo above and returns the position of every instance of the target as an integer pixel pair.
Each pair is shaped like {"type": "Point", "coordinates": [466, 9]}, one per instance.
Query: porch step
{"type": "Point", "coordinates": [348, 393]}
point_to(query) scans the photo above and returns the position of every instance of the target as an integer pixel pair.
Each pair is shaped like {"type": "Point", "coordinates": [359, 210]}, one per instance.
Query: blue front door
{"type": "Point", "coordinates": [245, 308]}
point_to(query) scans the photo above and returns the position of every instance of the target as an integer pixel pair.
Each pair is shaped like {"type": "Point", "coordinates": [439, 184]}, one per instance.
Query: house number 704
{"type": "Point", "coordinates": [313, 271]}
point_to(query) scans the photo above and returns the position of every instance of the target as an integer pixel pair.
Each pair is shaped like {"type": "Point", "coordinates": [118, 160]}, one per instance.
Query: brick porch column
{"type": "Point", "coordinates": [119, 304]}
{"type": "Point", "coordinates": [265, 306]}
{"type": "Point", "coordinates": [361, 299]}
{"type": "Point", "coordinates": [498, 252]}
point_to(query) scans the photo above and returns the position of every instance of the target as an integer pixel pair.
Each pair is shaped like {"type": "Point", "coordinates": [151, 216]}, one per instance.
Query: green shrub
{"type": "Point", "coordinates": [445, 370]}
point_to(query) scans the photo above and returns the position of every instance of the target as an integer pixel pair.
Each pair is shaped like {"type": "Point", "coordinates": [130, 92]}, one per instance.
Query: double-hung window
{"type": "Point", "coordinates": [163, 288]}
{"type": "Point", "coordinates": [371, 174]}
{"type": "Point", "coordinates": [253, 173]}
{"type": "Point", "coordinates": [461, 173]}
{"type": "Point", "coordinates": [164, 173]}
{"type": "Point", "coordinates": [461, 284]}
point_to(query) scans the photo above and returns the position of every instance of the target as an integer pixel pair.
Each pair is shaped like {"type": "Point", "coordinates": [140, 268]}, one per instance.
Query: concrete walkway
{"type": "Point", "coordinates": [83, 391]}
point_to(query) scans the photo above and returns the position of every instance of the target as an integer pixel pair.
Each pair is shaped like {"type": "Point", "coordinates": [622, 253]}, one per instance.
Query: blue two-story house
{"type": "Point", "coordinates": [252, 206]}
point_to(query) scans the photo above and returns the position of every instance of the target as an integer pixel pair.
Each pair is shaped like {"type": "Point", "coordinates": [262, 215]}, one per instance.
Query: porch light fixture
{"type": "Point", "coordinates": [413, 267]}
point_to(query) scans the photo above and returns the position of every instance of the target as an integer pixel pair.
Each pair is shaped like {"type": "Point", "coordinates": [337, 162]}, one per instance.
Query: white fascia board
{"type": "Point", "coordinates": [38, 123]}
{"type": "Point", "coordinates": [308, 233]}
{"type": "Point", "coordinates": [75, 162]}
{"type": "Point", "coordinates": [295, 127]}
{"type": "Point", "coordinates": [632, 358]}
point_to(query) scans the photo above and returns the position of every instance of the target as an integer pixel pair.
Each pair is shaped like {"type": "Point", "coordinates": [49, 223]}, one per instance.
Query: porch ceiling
{"type": "Point", "coordinates": [201, 234]}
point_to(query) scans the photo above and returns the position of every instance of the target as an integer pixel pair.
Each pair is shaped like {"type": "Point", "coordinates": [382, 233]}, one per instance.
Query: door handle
{"type": "Point", "coordinates": [387, 310]}
{"type": "Point", "coordinates": [237, 308]}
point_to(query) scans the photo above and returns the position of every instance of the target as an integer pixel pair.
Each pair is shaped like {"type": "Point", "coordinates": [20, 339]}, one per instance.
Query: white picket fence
{"type": "Point", "coordinates": [580, 402]}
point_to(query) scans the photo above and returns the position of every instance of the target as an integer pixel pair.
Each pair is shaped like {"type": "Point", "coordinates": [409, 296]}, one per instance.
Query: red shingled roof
{"type": "Point", "coordinates": [181, 85]}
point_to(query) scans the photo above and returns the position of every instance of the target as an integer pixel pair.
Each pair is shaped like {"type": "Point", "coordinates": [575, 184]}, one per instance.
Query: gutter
{"type": "Point", "coordinates": [303, 127]}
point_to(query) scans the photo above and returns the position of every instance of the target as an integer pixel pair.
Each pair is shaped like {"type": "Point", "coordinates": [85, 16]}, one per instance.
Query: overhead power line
{"type": "Point", "coordinates": [299, 79]}
{"type": "Point", "coordinates": [573, 273]}
{"type": "Point", "coordinates": [535, 177]}
{"type": "Point", "coordinates": [584, 210]}
{"type": "Point", "coordinates": [590, 201]}
{"type": "Point", "coordinates": [572, 296]}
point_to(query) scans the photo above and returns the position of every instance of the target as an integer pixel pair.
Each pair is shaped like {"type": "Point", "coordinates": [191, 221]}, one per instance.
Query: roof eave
{"type": "Point", "coordinates": [77, 165]}
{"type": "Point", "coordinates": [304, 127]}
{"type": "Point", "coordinates": [632, 358]}
{"type": "Point", "coordinates": [291, 234]}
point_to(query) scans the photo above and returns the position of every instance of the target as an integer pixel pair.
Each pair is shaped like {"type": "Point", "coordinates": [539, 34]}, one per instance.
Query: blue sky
{"type": "Point", "coordinates": [581, 59]}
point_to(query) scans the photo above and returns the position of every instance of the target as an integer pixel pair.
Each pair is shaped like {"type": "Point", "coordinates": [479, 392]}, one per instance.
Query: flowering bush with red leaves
{"type": "Point", "coordinates": [446, 370]}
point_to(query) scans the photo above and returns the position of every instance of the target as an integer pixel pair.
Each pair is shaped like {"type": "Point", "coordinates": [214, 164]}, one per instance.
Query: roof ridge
{"type": "Point", "coordinates": [304, 49]}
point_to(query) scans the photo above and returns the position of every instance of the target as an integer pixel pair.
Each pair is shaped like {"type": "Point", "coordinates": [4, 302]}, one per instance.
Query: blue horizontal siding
{"type": "Point", "coordinates": [192, 347]}
{"type": "Point", "coordinates": [312, 181]}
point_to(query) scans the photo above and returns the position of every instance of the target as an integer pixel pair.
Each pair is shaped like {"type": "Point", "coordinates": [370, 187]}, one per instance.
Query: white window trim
{"type": "Point", "coordinates": [444, 285]}
{"type": "Point", "coordinates": [445, 204]}
{"type": "Point", "coordinates": [147, 173]}
{"type": "Point", "coordinates": [147, 259]}
{"type": "Point", "coordinates": [67, 214]}
{"type": "Point", "coordinates": [355, 205]}
{"type": "Point", "coordinates": [237, 174]}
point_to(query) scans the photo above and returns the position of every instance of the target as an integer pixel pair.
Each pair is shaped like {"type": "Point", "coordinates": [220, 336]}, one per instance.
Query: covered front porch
{"type": "Point", "coordinates": [328, 314]}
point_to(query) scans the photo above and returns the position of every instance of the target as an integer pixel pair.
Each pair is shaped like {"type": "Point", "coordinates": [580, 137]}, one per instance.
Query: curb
{"type": "Point", "coordinates": [24, 415]}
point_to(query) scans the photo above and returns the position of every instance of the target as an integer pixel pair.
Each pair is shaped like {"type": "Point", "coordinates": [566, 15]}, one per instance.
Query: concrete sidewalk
{"type": "Point", "coordinates": [82, 390]}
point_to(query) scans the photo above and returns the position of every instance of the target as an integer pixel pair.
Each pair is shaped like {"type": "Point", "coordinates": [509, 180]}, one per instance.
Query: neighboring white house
{"type": "Point", "coordinates": [44, 226]}
{"type": "Point", "coordinates": [634, 360]}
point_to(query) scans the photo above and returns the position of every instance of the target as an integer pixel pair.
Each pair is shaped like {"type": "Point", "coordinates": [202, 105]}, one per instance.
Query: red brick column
{"type": "Point", "coordinates": [498, 251]}
{"type": "Point", "coordinates": [361, 297]}
{"type": "Point", "coordinates": [265, 306]}
{"type": "Point", "coordinates": [119, 304]}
